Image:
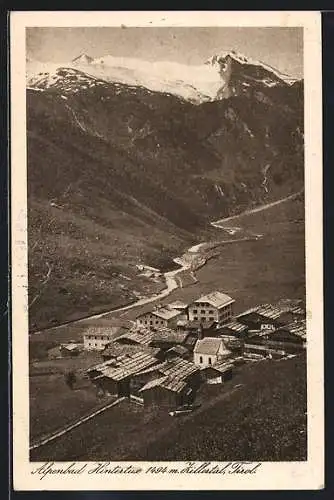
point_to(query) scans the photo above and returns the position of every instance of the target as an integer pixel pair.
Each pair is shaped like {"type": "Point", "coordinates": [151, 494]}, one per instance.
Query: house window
{"type": "Point", "coordinates": [161, 322]}
{"type": "Point", "coordinates": [195, 318]}
{"type": "Point", "coordinates": [210, 312]}
{"type": "Point", "coordinates": [203, 318]}
{"type": "Point", "coordinates": [151, 322]}
{"type": "Point", "coordinates": [201, 359]}
{"type": "Point", "coordinates": [195, 311]}
{"type": "Point", "coordinates": [210, 361]}
{"type": "Point", "coordinates": [202, 311]}
{"type": "Point", "coordinates": [157, 322]}
{"type": "Point", "coordinates": [145, 322]}
{"type": "Point", "coordinates": [211, 318]}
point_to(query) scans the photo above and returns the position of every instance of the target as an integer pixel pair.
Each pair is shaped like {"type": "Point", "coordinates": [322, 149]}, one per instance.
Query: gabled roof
{"type": "Point", "coordinates": [174, 375]}
{"type": "Point", "coordinates": [216, 299]}
{"type": "Point", "coordinates": [208, 345]}
{"type": "Point", "coordinates": [70, 347]}
{"type": "Point", "coordinates": [114, 349]}
{"type": "Point", "coordinates": [124, 366]}
{"type": "Point", "coordinates": [235, 326]}
{"type": "Point", "coordinates": [179, 350]}
{"type": "Point", "coordinates": [141, 336]}
{"type": "Point", "coordinates": [152, 383]}
{"type": "Point", "coordinates": [274, 311]}
{"type": "Point", "coordinates": [111, 331]}
{"type": "Point", "coordinates": [165, 313]}
{"type": "Point", "coordinates": [176, 367]}
{"type": "Point", "coordinates": [178, 304]}
{"type": "Point", "coordinates": [169, 335]}
{"type": "Point", "coordinates": [195, 324]}
{"type": "Point", "coordinates": [297, 328]}
{"type": "Point", "coordinates": [220, 366]}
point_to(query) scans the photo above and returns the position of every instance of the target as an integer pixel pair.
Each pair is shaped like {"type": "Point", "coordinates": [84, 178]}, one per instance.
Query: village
{"type": "Point", "coordinates": [169, 352]}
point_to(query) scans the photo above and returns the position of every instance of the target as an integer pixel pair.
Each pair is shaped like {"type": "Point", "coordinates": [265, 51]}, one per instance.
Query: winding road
{"type": "Point", "coordinates": [193, 258]}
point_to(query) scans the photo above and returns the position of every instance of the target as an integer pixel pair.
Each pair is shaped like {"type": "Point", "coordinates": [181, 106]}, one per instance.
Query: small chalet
{"type": "Point", "coordinates": [218, 373]}
{"type": "Point", "coordinates": [136, 336]}
{"type": "Point", "coordinates": [180, 306]}
{"type": "Point", "coordinates": [233, 328]}
{"type": "Point", "coordinates": [207, 328]}
{"type": "Point", "coordinates": [115, 350]}
{"type": "Point", "coordinates": [70, 350]}
{"type": "Point", "coordinates": [170, 384]}
{"type": "Point", "coordinates": [97, 337]}
{"type": "Point", "coordinates": [233, 344]}
{"type": "Point", "coordinates": [160, 317]}
{"type": "Point", "coordinates": [258, 351]}
{"type": "Point", "coordinates": [178, 351]}
{"type": "Point", "coordinates": [114, 376]}
{"type": "Point", "coordinates": [262, 318]}
{"type": "Point", "coordinates": [209, 351]}
{"type": "Point", "coordinates": [216, 306]}
{"type": "Point", "coordinates": [166, 338]}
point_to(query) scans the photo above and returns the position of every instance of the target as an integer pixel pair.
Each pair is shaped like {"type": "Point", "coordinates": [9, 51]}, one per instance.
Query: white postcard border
{"type": "Point", "coordinates": [270, 475]}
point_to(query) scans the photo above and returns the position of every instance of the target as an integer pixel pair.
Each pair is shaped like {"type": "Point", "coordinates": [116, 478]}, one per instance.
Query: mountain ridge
{"type": "Point", "coordinates": [120, 175]}
{"type": "Point", "coordinates": [194, 83]}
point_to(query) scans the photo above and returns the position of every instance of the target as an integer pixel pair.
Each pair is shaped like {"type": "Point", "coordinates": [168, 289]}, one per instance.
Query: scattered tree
{"type": "Point", "coordinates": [70, 379]}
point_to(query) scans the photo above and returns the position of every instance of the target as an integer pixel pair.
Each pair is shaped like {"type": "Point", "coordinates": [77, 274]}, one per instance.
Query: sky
{"type": "Point", "coordinates": [281, 48]}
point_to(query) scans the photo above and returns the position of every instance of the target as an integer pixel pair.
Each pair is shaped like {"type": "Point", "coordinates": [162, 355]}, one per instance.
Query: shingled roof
{"type": "Point", "coordinates": [216, 299]}
{"type": "Point", "coordinates": [124, 366]}
{"type": "Point", "coordinates": [208, 345]}
{"type": "Point", "coordinates": [166, 313]}
{"type": "Point", "coordinates": [235, 326]}
{"type": "Point", "coordinates": [174, 373]}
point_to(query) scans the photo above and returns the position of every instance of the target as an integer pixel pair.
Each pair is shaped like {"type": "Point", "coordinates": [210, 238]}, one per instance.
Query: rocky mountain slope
{"type": "Point", "coordinates": [206, 82]}
{"type": "Point", "coordinates": [120, 174]}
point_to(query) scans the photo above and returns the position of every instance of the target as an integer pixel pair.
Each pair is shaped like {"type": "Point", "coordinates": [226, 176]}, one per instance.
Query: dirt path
{"type": "Point", "coordinates": [68, 428]}
{"type": "Point", "coordinates": [219, 223]}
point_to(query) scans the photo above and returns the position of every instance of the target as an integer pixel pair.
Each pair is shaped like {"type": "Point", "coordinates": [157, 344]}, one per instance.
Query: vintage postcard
{"type": "Point", "coordinates": [167, 302]}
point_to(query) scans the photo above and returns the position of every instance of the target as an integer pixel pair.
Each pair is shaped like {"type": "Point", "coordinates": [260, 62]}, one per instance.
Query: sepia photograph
{"type": "Point", "coordinates": [166, 293]}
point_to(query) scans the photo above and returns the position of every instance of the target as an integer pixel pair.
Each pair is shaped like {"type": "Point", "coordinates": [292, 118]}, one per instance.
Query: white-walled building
{"type": "Point", "coordinates": [216, 306]}
{"type": "Point", "coordinates": [96, 337]}
{"type": "Point", "coordinates": [209, 351]}
{"type": "Point", "coordinates": [182, 307]}
{"type": "Point", "coordinates": [160, 317]}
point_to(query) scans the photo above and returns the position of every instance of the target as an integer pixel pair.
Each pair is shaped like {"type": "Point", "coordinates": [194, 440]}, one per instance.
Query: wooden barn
{"type": "Point", "coordinates": [65, 351]}
{"type": "Point", "coordinates": [173, 378]}
{"type": "Point", "coordinates": [167, 392]}
{"type": "Point", "coordinates": [178, 351]}
{"type": "Point", "coordinates": [166, 338]}
{"type": "Point", "coordinates": [114, 376]}
{"type": "Point", "coordinates": [115, 350]}
{"type": "Point", "coordinates": [218, 373]}
{"type": "Point", "coordinates": [233, 328]}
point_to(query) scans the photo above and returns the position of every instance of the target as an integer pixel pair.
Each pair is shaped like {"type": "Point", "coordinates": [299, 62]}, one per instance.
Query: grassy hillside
{"type": "Point", "coordinates": [264, 419]}
{"type": "Point", "coordinates": [119, 176]}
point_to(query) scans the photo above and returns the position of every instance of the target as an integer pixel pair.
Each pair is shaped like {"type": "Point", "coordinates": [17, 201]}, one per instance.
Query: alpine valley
{"type": "Point", "coordinates": [129, 161]}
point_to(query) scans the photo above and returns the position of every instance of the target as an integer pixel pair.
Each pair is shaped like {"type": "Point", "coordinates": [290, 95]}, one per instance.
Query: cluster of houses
{"type": "Point", "coordinates": [171, 350]}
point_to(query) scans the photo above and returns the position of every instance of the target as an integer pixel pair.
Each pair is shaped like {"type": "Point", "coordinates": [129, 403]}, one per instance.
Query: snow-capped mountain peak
{"type": "Point", "coordinates": [82, 59]}
{"type": "Point", "coordinates": [221, 76]}
{"type": "Point", "coordinates": [221, 61]}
